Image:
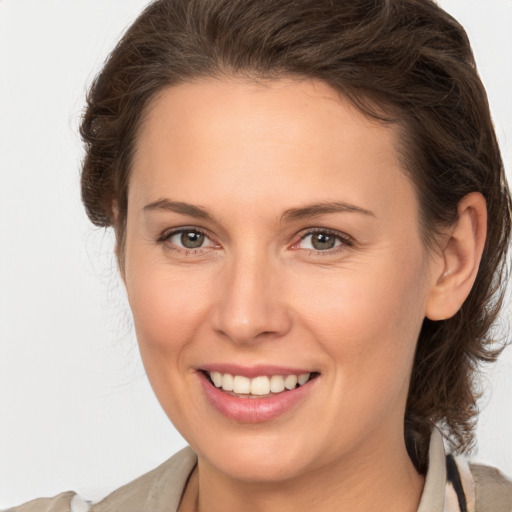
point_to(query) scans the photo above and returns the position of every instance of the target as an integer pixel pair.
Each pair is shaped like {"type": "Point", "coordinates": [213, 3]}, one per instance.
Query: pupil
{"type": "Point", "coordinates": [192, 239]}
{"type": "Point", "coordinates": [322, 241]}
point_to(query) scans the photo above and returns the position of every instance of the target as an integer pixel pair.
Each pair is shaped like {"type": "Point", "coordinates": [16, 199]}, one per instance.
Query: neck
{"type": "Point", "coordinates": [380, 478]}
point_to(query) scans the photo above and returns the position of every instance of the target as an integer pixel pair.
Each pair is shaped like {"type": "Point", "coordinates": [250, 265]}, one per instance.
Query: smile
{"type": "Point", "coordinates": [261, 395]}
{"type": "Point", "coordinates": [258, 386]}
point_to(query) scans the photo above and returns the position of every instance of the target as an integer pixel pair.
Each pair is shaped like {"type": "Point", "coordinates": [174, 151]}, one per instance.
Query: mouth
{"type": "Point", "coordinates": [262, 386]}
{"type": "Point", "coordinates": [256, 394]}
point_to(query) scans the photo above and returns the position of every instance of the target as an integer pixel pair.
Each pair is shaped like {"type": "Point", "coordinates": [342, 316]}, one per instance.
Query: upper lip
{"type": "Point", "coordinates": [254, 371]}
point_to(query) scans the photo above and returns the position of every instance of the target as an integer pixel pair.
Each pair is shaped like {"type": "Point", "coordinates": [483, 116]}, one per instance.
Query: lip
{"type": "Point", "coordinates": [257, 409]}
{"type": "Point", "coordinates": [254, 371]}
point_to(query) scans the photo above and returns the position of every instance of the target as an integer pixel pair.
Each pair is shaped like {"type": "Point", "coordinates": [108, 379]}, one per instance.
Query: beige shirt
{"type": "Point", "coordinates": [160, 490]}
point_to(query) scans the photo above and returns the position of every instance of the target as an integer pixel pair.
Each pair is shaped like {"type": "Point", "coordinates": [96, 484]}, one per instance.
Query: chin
{"type": "Point", "coordinates": [257, 457]}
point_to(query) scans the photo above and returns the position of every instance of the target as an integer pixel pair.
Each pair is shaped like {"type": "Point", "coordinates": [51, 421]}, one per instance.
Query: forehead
{"type": "Point", "coordinates": [287, 140]}
{"type": "Point", "coordinates": [288, 109]}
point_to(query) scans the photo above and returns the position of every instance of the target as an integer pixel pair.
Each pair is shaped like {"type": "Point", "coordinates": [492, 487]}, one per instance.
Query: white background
{"type": "Point", "coordinates": [76, 409]}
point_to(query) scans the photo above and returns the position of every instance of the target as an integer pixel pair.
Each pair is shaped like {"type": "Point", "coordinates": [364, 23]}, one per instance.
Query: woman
{"type": "Point", "coordinates": [311, 219]}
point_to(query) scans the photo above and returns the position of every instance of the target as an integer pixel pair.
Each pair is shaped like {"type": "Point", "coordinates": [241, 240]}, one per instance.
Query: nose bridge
{"type": "Point", "coordinates": [249, 306]}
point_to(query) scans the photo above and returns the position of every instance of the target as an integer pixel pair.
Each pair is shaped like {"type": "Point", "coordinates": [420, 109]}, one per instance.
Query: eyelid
{"type": "Point", "coordinates": [346, 240]}
{"type": "Point", "coordinates": [167, 234]}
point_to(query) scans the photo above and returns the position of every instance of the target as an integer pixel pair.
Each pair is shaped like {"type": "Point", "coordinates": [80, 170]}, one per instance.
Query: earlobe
{"type": "Point", "coordinates": [119, 245]}
{"type": "Point", "coordinates": [460, 259]}
{"type": "Point", "coordinates": [119, 253]}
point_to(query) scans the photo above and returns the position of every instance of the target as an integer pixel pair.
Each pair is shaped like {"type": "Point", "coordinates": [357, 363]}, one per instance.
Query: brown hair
{"type": "Point", "coordinates": [408, 58]}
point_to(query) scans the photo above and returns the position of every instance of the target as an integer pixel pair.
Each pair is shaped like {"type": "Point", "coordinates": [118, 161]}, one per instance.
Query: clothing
{"type": "Point", "coordinates": [451, 485]}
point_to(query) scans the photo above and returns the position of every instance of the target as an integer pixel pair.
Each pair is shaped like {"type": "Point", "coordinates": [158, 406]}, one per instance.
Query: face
{"type": "Point", "coordinates": [276, 274]}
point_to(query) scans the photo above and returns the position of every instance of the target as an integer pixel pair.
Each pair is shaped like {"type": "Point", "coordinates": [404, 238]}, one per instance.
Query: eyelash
{"type": "Point", "coordinates": [166, 236]}
{"type": "Point", "coordinates": [343, 239]}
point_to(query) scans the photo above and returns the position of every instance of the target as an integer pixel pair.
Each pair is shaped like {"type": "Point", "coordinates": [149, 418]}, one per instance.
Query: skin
{"type": "Point", "coordinates": [257, 292]}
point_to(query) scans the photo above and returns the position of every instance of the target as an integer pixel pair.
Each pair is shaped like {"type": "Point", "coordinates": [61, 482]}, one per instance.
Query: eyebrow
{"type": "Point", "coordinates": [315, 210]}
{"type": "Point", "coordinates": [292, 214]}
{"type": "Point", "coordinates": [178, 207]}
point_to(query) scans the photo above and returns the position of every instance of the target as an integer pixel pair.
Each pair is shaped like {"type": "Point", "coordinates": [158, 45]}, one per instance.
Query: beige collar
{"type": "Point", "coordinates": [438, 494]}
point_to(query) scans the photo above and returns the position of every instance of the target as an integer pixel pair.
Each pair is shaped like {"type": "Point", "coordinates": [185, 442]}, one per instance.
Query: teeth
{"type": "Point", "coordinates": [276, 383]}
{"type": "Point", "coordinates": [241, 385]}
{"type": "Point", "coordinates": [216, 379]}
{"type": "Point", "coordinates": [227, 382]}
{"type": "Point", "coordinates": [303, 378]}
{"type": "Point", "coordinates": [290, 382]}
{"type": "Point", "coordinates": [258, 386]}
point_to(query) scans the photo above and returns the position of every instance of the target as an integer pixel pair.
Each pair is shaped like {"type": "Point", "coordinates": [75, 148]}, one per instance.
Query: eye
{"type": "Point", "coordinates": [187, 238]}
{"type": "Point", "coordinates": [322, 241]}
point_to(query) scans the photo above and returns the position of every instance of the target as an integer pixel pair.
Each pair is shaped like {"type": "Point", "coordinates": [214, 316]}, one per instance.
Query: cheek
{"type": "Point", "coordinates": [167, 306]}
{"type": "Point", "coordinates": [368, 320]}
{"type": "Point", "coordinates": [168, 311]}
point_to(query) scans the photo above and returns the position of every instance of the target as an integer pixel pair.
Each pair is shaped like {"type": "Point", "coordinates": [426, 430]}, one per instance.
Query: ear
{"type": "Point", "coordinates": [119, 244]}
{"type": "Point", "coordinates": [119, 252]}
{"type": "Point", "coordinates": [459, 259]}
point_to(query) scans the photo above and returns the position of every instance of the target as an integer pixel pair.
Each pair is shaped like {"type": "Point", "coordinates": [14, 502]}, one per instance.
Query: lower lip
{"type": "Point", "coordinates": [253, 410]}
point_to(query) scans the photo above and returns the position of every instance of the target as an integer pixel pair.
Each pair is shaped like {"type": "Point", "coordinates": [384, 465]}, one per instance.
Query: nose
{"type": "Point", "coordinates": [249, 304]}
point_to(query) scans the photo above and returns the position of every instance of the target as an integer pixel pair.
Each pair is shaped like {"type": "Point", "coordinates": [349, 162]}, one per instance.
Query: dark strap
{"type": "Point", "coordinates": [453, 476]}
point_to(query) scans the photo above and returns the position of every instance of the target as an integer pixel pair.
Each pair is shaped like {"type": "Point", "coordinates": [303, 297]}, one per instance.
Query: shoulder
{"type": "Point", "coordinates": [155, 491]}
{"type": "Point", "coordinates": [64, 502]}
{"type": "Point", "coordinates": [475, 487]}
{"type": "Point", "coordinates": [493, 491]}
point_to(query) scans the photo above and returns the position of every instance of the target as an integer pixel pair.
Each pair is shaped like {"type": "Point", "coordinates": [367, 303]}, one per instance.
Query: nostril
{"type": "Point", "coordinates": [265, 334]}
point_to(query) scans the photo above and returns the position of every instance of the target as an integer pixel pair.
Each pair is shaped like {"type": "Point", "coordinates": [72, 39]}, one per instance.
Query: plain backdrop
{"type": "Point", "coordinates": [76, 409]}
